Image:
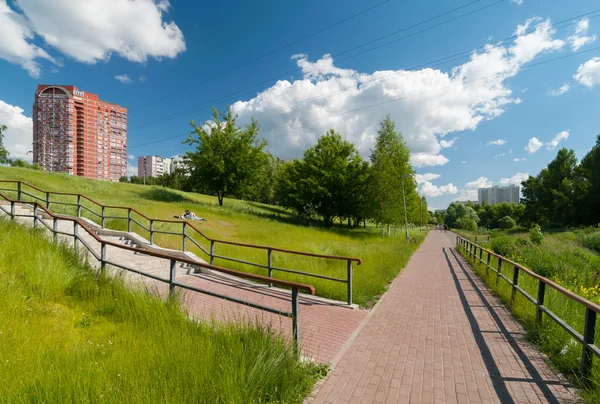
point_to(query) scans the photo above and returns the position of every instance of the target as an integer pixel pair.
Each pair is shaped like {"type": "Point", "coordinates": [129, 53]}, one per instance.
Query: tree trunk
{"type": "Point", "coordinates": [382, 231]}
{"type": "Point", "coordinates": [349, 223]}
{"type": "Point", "coordinates": [220, 198]}
{"type": "Point", "coordinates": [365, 223]}
{"type": "Point", "coordinates": [389, 230]}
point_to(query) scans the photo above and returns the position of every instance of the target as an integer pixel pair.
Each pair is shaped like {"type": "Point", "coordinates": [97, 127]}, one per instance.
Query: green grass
{"type": "Point", "coordinates": [67, 336]}
{"type": "Point", "coordinates": [245, 222]}
{"type": "Point", "coordinates": [563, 259]}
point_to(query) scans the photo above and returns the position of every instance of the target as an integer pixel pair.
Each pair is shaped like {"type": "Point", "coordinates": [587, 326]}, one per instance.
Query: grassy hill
{"type": "Point", "coordinates": [254, 223]}
{"type": "Point", "coordinates": [67, 336]}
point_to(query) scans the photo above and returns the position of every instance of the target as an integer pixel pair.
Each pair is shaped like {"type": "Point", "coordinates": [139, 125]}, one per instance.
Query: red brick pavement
{"type": "Point", "coordinates": [440, 336]}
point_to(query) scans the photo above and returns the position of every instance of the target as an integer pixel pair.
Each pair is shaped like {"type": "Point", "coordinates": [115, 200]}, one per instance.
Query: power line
{"type": "Point", "coordinates": [408, 96]}
{"type": "Point", "coordinates": [265, 55]}
{"type": "Point", "coordinates": [268, 81]}
{"type": "Point", "coordinates": [434, 63]}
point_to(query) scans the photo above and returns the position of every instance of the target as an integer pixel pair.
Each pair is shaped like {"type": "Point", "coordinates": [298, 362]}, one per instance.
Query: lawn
{"type": "Point", "coordinates": [68, 336]}
{"type": "Point", "coordinates": [564, 259]}
{"type": "Point", "coordinates": [247, 222]}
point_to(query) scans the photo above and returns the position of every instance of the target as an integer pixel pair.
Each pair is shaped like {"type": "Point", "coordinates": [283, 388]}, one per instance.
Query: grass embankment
{"type": "Point", "coordinates": [67, 336]}
{"type": "Point", "coordinates": [564, 259]}
{"type": "Point", "coordinates": [244, 222]}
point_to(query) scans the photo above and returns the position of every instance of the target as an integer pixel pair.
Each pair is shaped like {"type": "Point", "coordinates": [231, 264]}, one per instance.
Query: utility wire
{"type": "Point", "coordinates": [264, 55]}
{"type": "Point", "coordinates": [268, 81]}
{"type": "Point", "coordinates": [408, 96]}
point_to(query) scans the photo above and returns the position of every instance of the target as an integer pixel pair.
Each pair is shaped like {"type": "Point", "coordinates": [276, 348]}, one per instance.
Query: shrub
{"type": "Point", "coordinates": [503, 245]}
{"type": "Point", "coordinates": [591, 241]}
{"type": "Point", "coordinates": [535, 235]}
{"type": "Point", "coordinates": [507, 222]}
{"type": "Point", "coordinates": [522, 242]}
{"type": "Point", "coordinates": [466, 224]}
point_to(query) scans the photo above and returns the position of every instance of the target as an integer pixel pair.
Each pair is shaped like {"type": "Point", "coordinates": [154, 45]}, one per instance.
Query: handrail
{"type": "Point", "coordinates": [592, 309]}
{"type": "Point", "coordinates": [211, 254]}
{"type": "Point", "coordinates": [295, 286]}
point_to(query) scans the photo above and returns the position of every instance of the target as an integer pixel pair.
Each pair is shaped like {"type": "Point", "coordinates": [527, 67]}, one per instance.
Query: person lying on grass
{"type": "Point", "coordinates": [190, 216]}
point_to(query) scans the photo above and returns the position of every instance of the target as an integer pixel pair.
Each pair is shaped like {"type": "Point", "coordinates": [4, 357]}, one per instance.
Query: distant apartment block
{"type": "Point", "coordinates": [154, 166]}
{"type": "Point", "coordinates": [496, 195]}
{"type": "Point", "coordinates": [74, 132]}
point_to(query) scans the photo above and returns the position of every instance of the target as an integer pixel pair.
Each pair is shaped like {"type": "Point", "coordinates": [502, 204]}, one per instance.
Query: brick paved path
{"type": "Point", "coordinates": [439, 336]}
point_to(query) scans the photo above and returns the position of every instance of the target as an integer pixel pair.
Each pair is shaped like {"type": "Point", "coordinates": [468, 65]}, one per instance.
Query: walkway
{"type": "Point", "coordinates": [440, 336]}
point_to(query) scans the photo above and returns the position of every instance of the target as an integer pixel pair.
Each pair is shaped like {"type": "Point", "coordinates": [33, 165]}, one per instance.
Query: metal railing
{"type": "Point", "coordinates": [591, 309]}
{"type": "Point", "coordinates": [188, 230]}
{"type": "Point", "coordinates": [39, 210]}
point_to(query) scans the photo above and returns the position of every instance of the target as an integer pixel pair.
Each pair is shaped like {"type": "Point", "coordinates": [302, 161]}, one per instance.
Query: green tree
{"type": "Point", "coordinates": [227, 159]}
{"type": "Point", "coordinates": [588, 187]}
{"type": "Point", "coordinates": [390, 167]}
{"type": "Point", "coordinates": [264, 189]}
{"type": "Point", "coordinates": [460, 215]}
{"type": "Point", "coordinates": [3, 152]}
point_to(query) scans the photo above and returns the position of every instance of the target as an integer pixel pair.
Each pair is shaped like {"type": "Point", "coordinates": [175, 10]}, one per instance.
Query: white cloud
{"type": "Point", "coordinates": [448, 143]}
{"type": "Point", "coordinates": [559, 91]}
{"type": "Point", "coordinates": [131, 170]}
{"type": "Point", "coordinates": [469, 191]}
{"type": "Point", "coordinates": [588, 73]}
{"type": "Point", "coordinates": [424, 159]}
{"type": "Point", "coordinates": [123, 78]}
{"type": "Point", "coordinates": [430, 190]}
{"type": "Point", "coordinates": [143, 79]}
{"type": "Point", "coordinates": [426, 104]}
{"type": "Point", "coordinates": [579, 39]}
{"type": "Point", "coordinates": [18, 138]}
{"type": "Point", "coordinates": [500, 155]}
{"type": "Point", "coordinates": [517, 2]}
{"type": "Point", "coordinates": [88, 31]}
{"type": "Point", "coordinates": [130, 157]}
{"type": "Point", "coordinates": [533, 145]}
{"type": "Point", "coordinates": [15, 42]}
{"type": "Point", "coordinates": [516, 179]}
{"type": "Point", "coordinates": [498, 142]}
{"type": "Point", "coordinates": [564, 135]}
{"type": "Point", "coordinates": [520, 159]}
{"type": "Point", "coordinates": [421, 178]}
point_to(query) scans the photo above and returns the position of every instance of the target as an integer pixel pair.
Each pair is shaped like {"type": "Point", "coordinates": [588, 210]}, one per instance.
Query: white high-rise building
{"type": "Point", "coordinates": [496, 195]}
{"type": "Point", "coordinates": [154, 166]}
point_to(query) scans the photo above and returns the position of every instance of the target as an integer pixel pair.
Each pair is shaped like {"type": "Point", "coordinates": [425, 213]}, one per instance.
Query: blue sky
{"type": "Point", "coordinates": [488, 116]}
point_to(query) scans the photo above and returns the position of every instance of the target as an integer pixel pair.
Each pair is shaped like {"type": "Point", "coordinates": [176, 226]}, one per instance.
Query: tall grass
{"type": "Point", "coordinates": [563, 351]}
{"type": "Point", "coordinates": [245, 222]}
{"type": "Point", "coordinates": [67, 335]}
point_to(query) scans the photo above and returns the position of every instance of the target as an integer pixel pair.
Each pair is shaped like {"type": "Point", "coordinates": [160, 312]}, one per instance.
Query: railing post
{"type": "Point", "coordinates": [78, 205]}
{"type": "Point", "coordinates": [54, 233]}
{"type": "Point", "coordinates": [514, 284]}
{"type": "Point", "coordinates": [184, 232]}
{"type": "Point", "coordinates": [173, 270]}
{"type": "Point", "coordinates": [540, 301]}
{"type": "Point", "coordinates": [212, 252]}
{"type": "Point", "coordinates": [295, 319]}
{"type": "Point", "coordinates": [103, 217]}
{"type": "Point", "coordinates": [489, 258]}
{"type": "Point", "coordinates": [129, 220]}
{"type": "Point", "coordinates": [102, 257]}
{"type": "Point", "coordinates": [499, 270]}
{"type": "Point", "coordinates": [349, 282]}
{"type": "Point", "coordinates": [270, 264]}
{"type": "Point", "coordinates": [75, 237]}
{"type": "Point", "coordinates": [19, 190]}
{"type": "Point", "coordinates": [35, 213]}
{"type": "Point", "coordinates": [481, 254]}
{"type": "Point", "coordinates": [588, 339]}
{"type": "Point", "coordinates": [47, 200]}
{"type": "Point", "coordinates": [12, 210]}
{"type": "Point", "coordinates": [151, 231]}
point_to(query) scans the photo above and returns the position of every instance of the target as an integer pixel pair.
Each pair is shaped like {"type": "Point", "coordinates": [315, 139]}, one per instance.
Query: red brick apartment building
{"type": "Point", "coordinates": [76, 133]}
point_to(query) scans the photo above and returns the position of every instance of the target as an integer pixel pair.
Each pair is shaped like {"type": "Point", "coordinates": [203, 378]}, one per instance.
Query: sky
{"type": "Point", "coordinates": [484, 92]}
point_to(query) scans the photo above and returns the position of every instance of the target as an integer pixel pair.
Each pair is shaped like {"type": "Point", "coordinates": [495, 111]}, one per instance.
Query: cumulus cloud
{"type": "Point", "coordinates": [520, 159]}
{"type": "Point", "coordinates": [498, 142]}
{"type": "Point", "coordinates": [448, 143]}
{"type": "Point", "coordinates": [123, 78]}
{"type": "Point", "coordinates": [131, 169]}
{"type": "Point", "coordinates": [131, 157]}
{"type": "Point", "coordinates": [564, 135]}
{"type": "Point", "coordinates": [517, 2]}
{"type": "Point", "coordinates": [516, 179]}
{"type": "Point", "coordinates": [533, 145]}
{"type": "Point", "coordinates": [15, 42]}
{"type": "Point", "coordinates": [430, 190]}
{"type": "Point", "coordinates": [88, 31]}
{"type": "Point", "coordinates": [426, 104]}
{"type": "Point", "coordinates": [18, 138]}
{"type": "Point", "coordinates": [579, 39]}
{"type": "Point", "coordinates": [469, 191]}
{"type": "Point", "coordinates": [421, 178]}
{"type": "Point", "coordinates": [588, 73]}
{"type": "Point", "coordinates": [559, 91]}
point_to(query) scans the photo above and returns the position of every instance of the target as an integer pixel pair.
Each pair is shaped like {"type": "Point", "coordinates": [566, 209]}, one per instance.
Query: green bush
{"type": "Point", "coordinates": [466, 224]}
{"type": "Point", "coordinates": [504, 245]}
{"type": "Point", "coordinates": [591, 241]}
{"type": "Point", "coordinates": [507, 222]}
{"type": "Point", "coordinates": [522, 242]}
{"type": "Point", "coordinates": [535, 235]}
